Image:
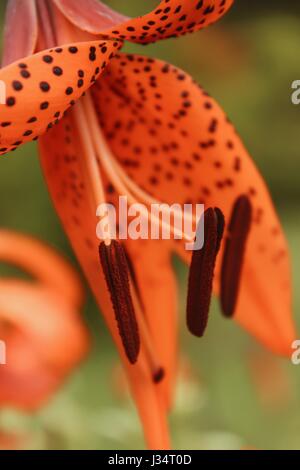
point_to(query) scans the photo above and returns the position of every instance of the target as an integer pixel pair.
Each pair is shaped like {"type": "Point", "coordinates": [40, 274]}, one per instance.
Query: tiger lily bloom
{"type": "Point", "coordinates": [40, 325]}
{"type": "Point", "coordinates": [145, 130]}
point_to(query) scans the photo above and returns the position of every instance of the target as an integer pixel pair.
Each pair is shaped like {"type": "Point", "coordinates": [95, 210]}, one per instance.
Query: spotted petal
{"type": "Point", "coordinates": [170, 18]}
{"type": "Point", "coordinates": [40, 88]}
{"type": "Point", "coordinates": [176, 143]}
{"type": "Point", "coordinates": [39, 322]}
{"type": "Point", "coordinates": [42, 263]}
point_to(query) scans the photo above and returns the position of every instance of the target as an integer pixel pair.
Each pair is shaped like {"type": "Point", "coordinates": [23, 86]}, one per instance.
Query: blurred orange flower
{"type": "Point", "coordinates": [40, 323]}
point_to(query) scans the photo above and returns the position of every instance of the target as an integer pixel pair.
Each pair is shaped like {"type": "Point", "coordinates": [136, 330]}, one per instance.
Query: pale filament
{"type": "Point", "coordinates": [147, 199]}
{"type": "Point", "coordinates": [153, 360]}
{"type": "Point", "coordinates": [90, 163]}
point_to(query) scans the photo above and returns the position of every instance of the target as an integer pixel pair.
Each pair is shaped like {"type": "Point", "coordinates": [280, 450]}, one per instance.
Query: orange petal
{"type": "Point", "coordinates": [61, 155]}
{"type": "Point", "coordinates": [170, 18]}
{"type": "Point", "coordinates": [20, 31]}
{"type": "Point", "coordinates": [40, 88]}
{"type": "Point", "coordinates": [177, 144]}
{"type": "Point", "coordinates": [157, 286]}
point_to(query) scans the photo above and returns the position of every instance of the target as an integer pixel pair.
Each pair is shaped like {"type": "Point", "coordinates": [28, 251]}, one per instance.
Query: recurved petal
{"type": "Point", "coordinates": [20, 30]}
{"type": "Point", "coordinates": [40, 88]}
{"type": "Point", "coordinates": [170, 18]}
{"type": "Point", "coordinates": [62, 154]}
{"type": "Point", "coordinates": [175, 141]}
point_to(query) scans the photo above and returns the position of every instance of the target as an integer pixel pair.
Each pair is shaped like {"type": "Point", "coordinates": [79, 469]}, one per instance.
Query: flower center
{"type": "Point", "coordinates": [121, 181]}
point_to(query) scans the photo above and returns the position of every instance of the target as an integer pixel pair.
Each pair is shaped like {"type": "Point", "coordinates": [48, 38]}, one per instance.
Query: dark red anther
{"type": "Point", "coordinates": [202, 271]}
{"type": "Point", "coordinates": [116, 272]}
{"type": "Point", "coordinates": [233, 257]}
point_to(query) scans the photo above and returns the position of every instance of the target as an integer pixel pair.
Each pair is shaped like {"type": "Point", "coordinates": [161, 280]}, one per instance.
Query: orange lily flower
{"type": "Point", "coordinates": [40, 325]}
{"type": "Point", "coordinates": [145, 130]}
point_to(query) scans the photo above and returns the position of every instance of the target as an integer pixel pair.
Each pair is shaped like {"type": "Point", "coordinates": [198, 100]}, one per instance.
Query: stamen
{"type": "Point", "coordinates": [115, 268]}
{"type": "Point", "coordinates": [117, 175]}
{"type": "Point", "coordinates": [201, 272]}
{"type": "Point", "coordinates": [233, 257]}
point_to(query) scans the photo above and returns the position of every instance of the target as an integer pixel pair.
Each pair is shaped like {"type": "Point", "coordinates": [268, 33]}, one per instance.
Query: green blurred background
{"type": "Point", "coordinates": [231, 393]}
